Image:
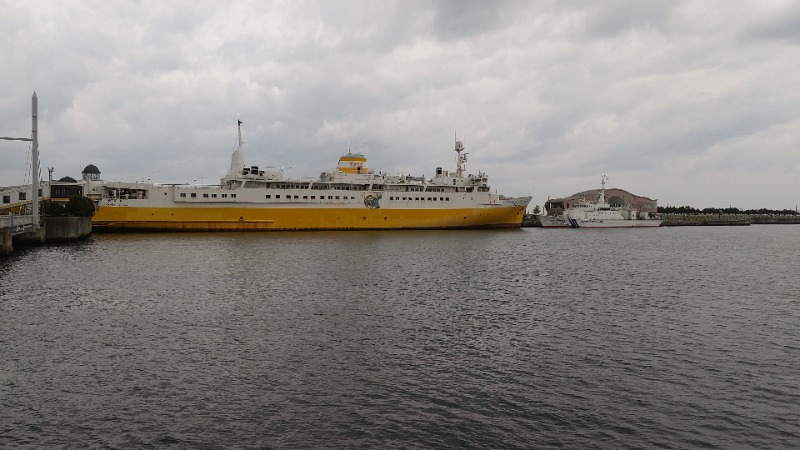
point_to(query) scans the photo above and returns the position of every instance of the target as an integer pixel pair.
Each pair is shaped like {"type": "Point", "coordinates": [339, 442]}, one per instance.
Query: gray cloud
{"type": "Point", "coordinates": [671, 99]}
{"type": "Point", "coordinates": [458, 19]}
{"type": "Point", "coordinates": [775, 23]}
{"type": "Point", "coordinates": [614, 18]}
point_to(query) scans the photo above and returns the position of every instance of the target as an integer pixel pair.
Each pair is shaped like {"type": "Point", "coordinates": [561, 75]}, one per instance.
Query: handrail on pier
{"type": "Point", "coordinates": [18, 224]}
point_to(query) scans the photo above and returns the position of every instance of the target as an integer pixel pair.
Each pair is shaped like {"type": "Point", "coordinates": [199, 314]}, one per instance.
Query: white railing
{"type": "Point", "coordinates": [18, 224]}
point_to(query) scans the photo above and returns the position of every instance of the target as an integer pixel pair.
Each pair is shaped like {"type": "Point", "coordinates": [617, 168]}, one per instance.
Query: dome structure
{"type": "Point", "coordinates": [91, 173]}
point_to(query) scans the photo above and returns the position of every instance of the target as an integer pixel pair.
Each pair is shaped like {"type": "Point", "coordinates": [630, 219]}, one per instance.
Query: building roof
{"type": "Point", "coordinates": [91, 168]}
{"type": "Point", "coordinates": [592, 194]}
{"type": "Point", "coordinates": [67, 180]}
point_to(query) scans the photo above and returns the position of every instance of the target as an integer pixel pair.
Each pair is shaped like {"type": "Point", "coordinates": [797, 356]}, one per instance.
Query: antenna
{"type": "Point", "coordinates": [603, 179]}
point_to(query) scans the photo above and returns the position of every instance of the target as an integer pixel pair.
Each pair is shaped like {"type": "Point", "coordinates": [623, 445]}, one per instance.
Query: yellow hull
{"type": "Point", "coordinates": [264, 219]}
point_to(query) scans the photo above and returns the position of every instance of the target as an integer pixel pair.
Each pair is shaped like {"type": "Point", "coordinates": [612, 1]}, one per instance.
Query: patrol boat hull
{"type": "Point", "coordinates": [560, 222]}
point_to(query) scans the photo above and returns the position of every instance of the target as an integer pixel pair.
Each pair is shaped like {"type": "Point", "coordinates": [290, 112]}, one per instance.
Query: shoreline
{"type": "Point", "coordinates": [693, 220]}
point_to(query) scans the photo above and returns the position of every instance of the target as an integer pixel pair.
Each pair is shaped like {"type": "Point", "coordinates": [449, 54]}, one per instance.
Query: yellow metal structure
{"type": "Point", "coordinates": [243, 219]}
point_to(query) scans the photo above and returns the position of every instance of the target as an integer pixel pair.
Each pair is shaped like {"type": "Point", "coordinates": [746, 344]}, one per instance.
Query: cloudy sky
{"type": "Point", "coordinates": [691, 102]}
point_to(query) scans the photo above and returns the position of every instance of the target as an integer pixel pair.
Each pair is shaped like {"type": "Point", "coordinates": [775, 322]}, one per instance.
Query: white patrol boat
{"type": "Point", "coordinates": [584, 214]}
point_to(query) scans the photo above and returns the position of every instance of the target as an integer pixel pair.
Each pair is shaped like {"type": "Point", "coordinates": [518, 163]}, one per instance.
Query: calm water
{"type": "Point", "coordinates": [666, 338]}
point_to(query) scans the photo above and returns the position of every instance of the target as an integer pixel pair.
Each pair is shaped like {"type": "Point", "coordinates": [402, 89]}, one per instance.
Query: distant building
{"type": "Point", "coordinates": [66, 187]}
{"type": "Point", "coordinates": [93, 185]}
{"type": "Point", "coordinates": [614, 196]}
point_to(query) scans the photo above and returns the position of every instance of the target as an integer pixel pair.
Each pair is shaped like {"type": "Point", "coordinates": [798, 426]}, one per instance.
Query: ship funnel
{"type": "Point", "coordinates": [237, 158]}
{"type": "Point", "coordinates": [353, 163]}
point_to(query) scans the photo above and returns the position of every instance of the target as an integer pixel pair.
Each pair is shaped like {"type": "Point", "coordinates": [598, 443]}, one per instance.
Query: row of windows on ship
{"type": "Point", "coordinates": [321, 197]}
{"type": "Point", "coordinates": [355, 188]}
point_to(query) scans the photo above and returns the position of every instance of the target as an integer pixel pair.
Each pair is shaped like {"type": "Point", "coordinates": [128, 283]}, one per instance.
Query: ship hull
{"type": "Point", "coordinates": [120, 218]}
{"type": "Point", "coordinates": [559, 222]}
{"type": "Point", "coordinates": [353, 197]}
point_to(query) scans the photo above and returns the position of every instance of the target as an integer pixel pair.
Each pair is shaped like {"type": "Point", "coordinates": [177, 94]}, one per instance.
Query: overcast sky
{"type": "Point", "coordinates": [690, 102]}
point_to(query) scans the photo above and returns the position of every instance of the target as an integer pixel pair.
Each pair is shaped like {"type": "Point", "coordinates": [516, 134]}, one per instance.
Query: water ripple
{"type": "Point", "coordinates": [670, 338]}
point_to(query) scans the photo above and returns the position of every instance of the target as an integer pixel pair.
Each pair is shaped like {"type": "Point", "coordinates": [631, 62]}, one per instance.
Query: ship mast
{"type": "Point", "coordinates": [461, 160]}
{"type": "Point", "coordinates": [603, 179]}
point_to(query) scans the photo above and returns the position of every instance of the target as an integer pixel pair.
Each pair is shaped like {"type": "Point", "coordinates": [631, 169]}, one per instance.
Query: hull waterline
{"type": "Point", "coordinates": [559, 222]}
{"type": "Point", "coordinates": [282, 219]}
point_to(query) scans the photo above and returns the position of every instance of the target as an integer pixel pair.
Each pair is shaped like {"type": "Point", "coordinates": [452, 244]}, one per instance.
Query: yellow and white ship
{"type": "Point", "coordinates": [353, 197]}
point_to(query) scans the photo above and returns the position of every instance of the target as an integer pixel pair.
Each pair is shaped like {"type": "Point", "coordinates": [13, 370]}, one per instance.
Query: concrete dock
{"type": "Point", "coordinates": [52, 230]}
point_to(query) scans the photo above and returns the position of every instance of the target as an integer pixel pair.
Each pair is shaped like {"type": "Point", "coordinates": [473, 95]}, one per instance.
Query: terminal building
{"type": "Point", "coordinates": [89, 186]}
{"type": "Point", "coordinates": [614, 196]}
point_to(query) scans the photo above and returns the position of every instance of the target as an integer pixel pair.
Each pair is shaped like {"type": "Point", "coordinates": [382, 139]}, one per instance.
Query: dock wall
{"type": "Point", "coordinates": [53, 230]}
{"type": "Point", "coordinates": [5, 242]}
{"type": "Point", "coordinates": [776, 220]}
{"type": "Point", "coordinates": [688, 220]}
{"type": "Point", "coordinates": [531, 220]}
{"type": "Point", "coordinates": [59, 229]}
{"type": "Point", "coordinates": [678, 220]}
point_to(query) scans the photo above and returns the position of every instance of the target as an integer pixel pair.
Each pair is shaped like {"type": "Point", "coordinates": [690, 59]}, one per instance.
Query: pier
{"type": "Point", "coordinates": [19, 227]}
{"type": "Point", "coordinates": [23, 223]}
{"type": "Point", "coordinates": [530, 220]}
{"type": "Point", "coordinates": [688, 220]}
{"type": "Point", "coordinates": [683, 220]}
{"type": "Point", "coordinates": [11, 226]}
{"type": "Point", "coordinates": [19, 205]}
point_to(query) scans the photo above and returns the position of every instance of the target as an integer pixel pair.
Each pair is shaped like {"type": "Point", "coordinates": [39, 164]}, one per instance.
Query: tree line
{"type": "Point", "coordinates": [76, 206]}
{"type": "Point", "coordinates": [729, 210]}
